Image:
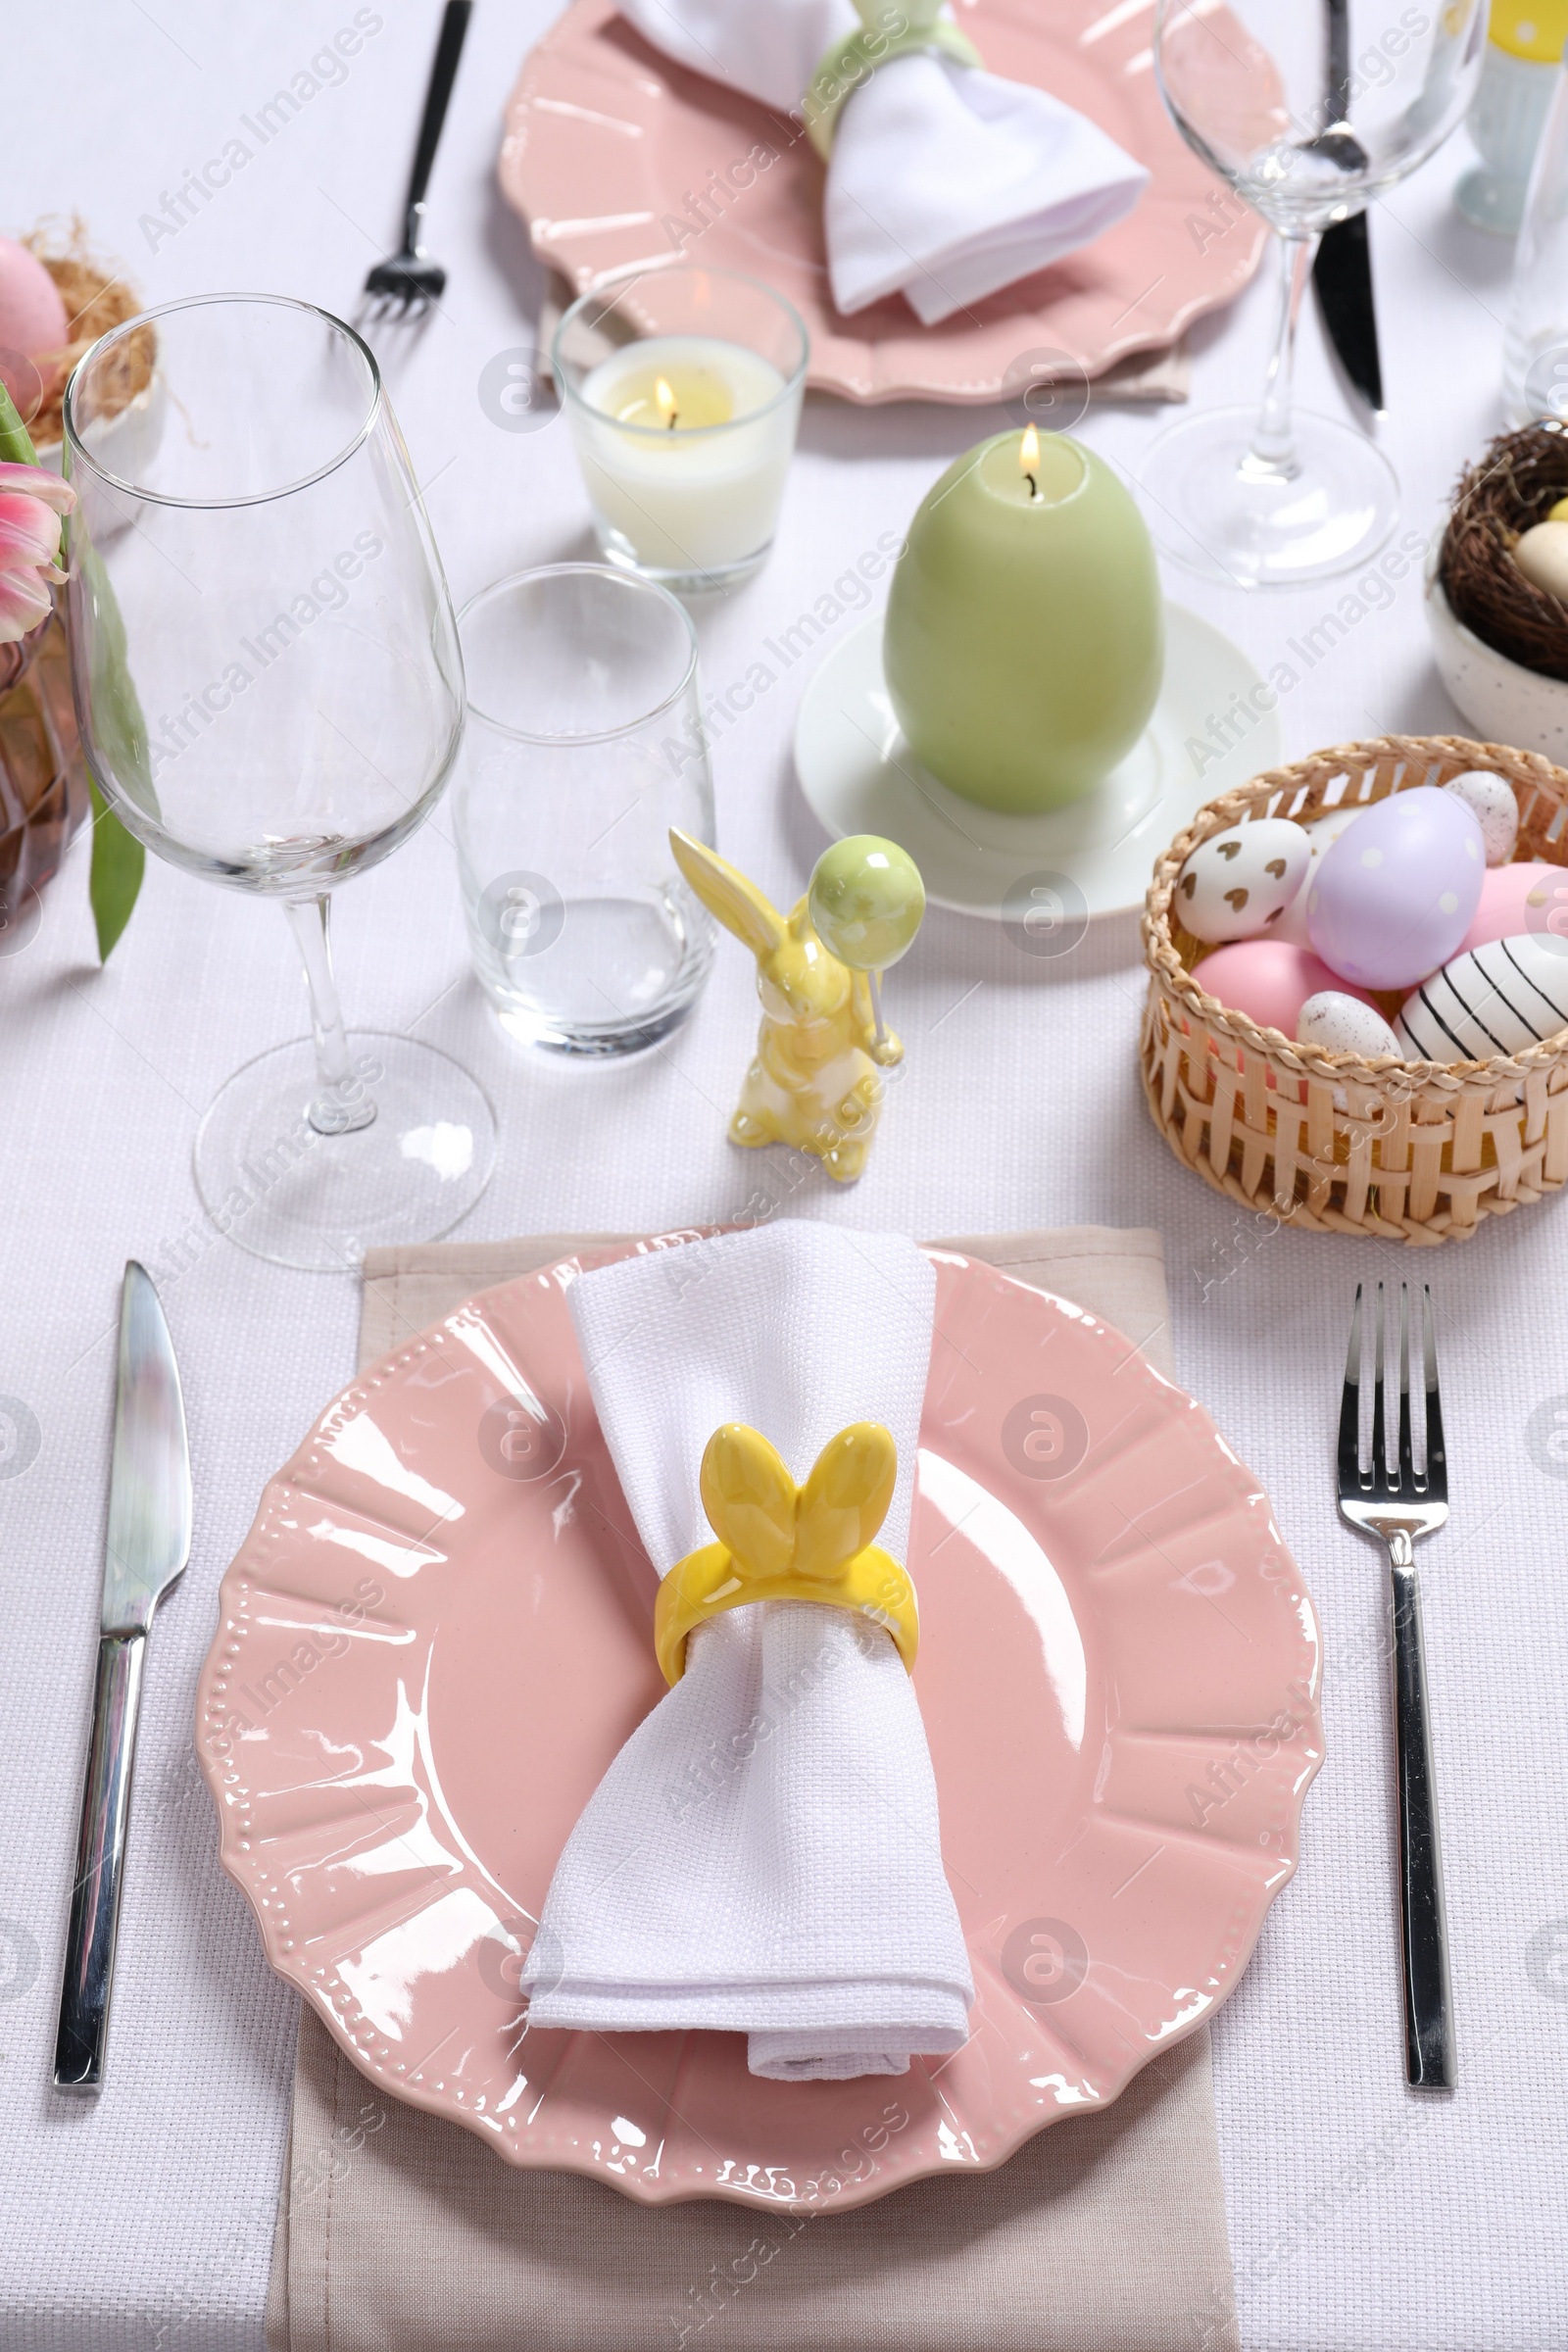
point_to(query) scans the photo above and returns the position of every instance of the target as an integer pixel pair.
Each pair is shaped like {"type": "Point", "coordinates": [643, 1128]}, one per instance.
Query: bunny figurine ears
{"type": "Point", "coordinates": [779, 1541]}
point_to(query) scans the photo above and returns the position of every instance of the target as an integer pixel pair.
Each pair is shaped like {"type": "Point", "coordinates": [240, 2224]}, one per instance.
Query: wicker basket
{"type": "Point", "coordinates": [1330, 1143]}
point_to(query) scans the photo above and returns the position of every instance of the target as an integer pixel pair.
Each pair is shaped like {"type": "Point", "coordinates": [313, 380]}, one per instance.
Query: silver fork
{"type": "Point", "coordinates": [1397, 1510]}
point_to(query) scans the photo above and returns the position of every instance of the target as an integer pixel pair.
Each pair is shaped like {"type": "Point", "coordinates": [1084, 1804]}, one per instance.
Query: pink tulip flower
{"type": "Point", "coordinates": [31, 503]}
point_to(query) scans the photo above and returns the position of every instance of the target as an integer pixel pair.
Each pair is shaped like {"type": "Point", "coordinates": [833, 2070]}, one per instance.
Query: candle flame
{"type": "Point", "coordinates": [667, 403]}
{"type": "Point", "coordinates": [1028, 450]}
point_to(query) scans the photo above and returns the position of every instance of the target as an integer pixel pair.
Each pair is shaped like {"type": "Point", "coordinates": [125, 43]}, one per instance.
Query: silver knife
{"type": "Point", "coordinates": [147, 1545]}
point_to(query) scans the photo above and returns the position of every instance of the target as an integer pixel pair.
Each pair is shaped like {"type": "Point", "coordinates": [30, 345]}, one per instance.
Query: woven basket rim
{"type": "Point", "coordinates": [1529, 770]}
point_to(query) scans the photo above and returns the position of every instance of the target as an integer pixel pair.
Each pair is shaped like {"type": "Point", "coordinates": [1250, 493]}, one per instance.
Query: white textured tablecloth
{"type": "Point", "coordinates": [1359, 2216]}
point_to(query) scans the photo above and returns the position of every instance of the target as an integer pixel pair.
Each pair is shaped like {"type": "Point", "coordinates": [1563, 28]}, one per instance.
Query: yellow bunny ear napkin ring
{"type": "Point", "coordinates": [779, 1541]}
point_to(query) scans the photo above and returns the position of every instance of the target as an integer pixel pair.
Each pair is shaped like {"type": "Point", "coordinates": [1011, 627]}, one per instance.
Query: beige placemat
{"type": "Point", "coordinates": [401, 2233]}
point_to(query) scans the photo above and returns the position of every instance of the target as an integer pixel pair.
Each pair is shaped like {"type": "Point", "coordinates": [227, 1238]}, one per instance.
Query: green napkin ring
{"type": "Point", "coordinates": [885, 31]}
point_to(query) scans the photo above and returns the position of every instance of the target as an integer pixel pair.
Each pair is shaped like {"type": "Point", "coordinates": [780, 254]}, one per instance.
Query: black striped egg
{"type": "Point", "coordinates": [1499, 999]}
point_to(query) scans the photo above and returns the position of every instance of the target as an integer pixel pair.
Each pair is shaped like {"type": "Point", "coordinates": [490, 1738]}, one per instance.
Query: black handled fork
{"type": "Point", "coordinates": [406, 285]}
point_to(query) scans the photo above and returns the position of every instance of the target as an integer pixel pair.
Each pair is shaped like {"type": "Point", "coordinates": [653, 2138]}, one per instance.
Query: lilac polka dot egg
{"type": "Point", "coordinates": [1395, 894]}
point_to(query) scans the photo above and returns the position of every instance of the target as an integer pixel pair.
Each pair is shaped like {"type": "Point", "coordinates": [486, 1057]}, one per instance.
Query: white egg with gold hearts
{"type": "Point", "coordinates": [1238, 884]}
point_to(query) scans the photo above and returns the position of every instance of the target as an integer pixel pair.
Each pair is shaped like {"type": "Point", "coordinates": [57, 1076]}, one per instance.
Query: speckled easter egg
{"type": "Point", "coordinates": [1395, 896]}
{"type": "Point", "coordinates": [1267, 979]}
{"type": "Point", "coordinates": [1344, 1024]}
{"type": "Point", "coordinates": [1507, 995]}
{"type": "Point", "coordinates": [1236, 884]}
{"type": "Point", "coordinates": [1527, 897]}
{"type": "Point", "coordinates": [1321, 835]}
{"type": "Point", "coordinates": [1496, 810]}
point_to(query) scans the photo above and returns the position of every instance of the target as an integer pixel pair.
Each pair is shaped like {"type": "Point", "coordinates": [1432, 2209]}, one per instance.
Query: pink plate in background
{"type": "Point", "coordinates": [439, 1632]}
{"type": "Point", "coordinates": [607, 141]}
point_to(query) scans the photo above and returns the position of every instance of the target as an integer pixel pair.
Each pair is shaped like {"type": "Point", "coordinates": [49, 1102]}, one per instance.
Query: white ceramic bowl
{"type": "Point", "coordinates": [1504, 702]}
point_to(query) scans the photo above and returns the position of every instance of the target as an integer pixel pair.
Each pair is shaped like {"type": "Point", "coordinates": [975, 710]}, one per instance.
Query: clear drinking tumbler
{"type": "Point", "coordinates": [1538, 303]}
{"type": "Point", "coordinates": [585, 745]}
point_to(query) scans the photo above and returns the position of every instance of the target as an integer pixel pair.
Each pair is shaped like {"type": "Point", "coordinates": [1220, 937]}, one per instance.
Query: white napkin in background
{"type": "Point", "coordinates": [946, 184]}
{"type": "Point", "coordinates": [764, 1855]}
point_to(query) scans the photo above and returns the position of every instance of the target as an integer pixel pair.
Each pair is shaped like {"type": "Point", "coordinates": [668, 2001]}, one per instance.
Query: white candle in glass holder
{"type": "Point", "coordinates": [684, 442]}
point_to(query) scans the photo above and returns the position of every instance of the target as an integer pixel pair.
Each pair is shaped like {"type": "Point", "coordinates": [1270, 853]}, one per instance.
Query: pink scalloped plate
{"type": "Point", "coordinates": [608, 143]}
{"type": "Point", "coordinates": [439, 1632]}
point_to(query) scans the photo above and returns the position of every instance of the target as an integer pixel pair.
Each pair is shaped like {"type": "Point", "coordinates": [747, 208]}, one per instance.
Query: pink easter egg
{"type": "Point", "coordinates": [32, 316]}
{"type": "Point", "coordinates": [1395, 894]}
{"type": "Point", "coordinates": [1269, 980]}
{"type": "Point", "coordinates": [1514, 899]}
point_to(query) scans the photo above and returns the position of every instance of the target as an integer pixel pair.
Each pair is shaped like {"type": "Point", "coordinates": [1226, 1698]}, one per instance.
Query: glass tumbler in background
{"type": "Point", "coordinates": [585, 745]}
{"type": "Point", "coordinates": [1537, 302]}
{"type": "Point", "coordinates": [683, 387]}
{"type": "Point", "coordinates": [1524, 47]}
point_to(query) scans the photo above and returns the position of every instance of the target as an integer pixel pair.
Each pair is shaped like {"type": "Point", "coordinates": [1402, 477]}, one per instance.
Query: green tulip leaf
{"type": "Point", "coordinates": [119, 732]}
{"type": "Point", "coordinates": [118, 864]}
{"type": "Point", "coordinates": [118, 859]}
{"type": "Point", "coordinates": [16, 443]}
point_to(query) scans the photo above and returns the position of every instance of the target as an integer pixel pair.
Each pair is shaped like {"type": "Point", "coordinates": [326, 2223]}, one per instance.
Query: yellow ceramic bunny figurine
{"type": "Point", "coordinates": [816, 1082]}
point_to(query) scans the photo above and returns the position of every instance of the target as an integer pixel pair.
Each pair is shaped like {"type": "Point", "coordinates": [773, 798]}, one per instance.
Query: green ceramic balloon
{"type": "Point", "coordinates": [866, 899]}
{"type": "Point", "coordinates": [1025, 630]}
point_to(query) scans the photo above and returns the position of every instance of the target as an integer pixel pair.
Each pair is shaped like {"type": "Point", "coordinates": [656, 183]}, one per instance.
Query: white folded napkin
{"type": "Point", "coordinates": [946, 184]}
{"type": "Point", "coordinates": [764, 1855]}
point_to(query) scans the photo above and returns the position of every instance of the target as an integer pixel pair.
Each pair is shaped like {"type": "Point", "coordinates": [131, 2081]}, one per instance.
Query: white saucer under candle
{"type": "Point", "coordinates": [1216, 723]}
{"type": "Point", "coordinates": [684, 438]}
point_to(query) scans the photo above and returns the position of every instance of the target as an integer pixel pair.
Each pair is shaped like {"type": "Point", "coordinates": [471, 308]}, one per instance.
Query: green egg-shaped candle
{"type": "Point", "coordinates": [1025, 632]}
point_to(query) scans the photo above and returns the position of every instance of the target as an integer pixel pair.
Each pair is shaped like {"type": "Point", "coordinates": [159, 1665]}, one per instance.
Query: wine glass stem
{"type": "Point", "coordinates": [1273, 450]}
{"type": "Point", "coordinates": [341, 1105]}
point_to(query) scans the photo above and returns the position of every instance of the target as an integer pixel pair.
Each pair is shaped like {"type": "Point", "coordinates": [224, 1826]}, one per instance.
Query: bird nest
{"type": "Point", "coordinates": [1516, 484]}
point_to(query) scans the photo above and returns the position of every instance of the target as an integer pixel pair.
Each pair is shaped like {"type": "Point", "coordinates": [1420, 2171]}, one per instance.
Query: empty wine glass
{"type": "Point", "coordinates": [1309, 107]}
{"type": "Point", "coordinates": [270, 695]}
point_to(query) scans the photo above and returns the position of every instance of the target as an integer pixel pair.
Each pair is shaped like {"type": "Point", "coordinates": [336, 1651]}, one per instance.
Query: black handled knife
{"type": "Point", "coordinates": [1343, 276]}
{"type": "Point", "coordinates": [1343, 269]}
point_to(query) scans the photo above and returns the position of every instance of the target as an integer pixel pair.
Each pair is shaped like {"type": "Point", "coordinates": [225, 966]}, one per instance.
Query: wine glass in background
{"type": "Point", "coordinates": [1309, 109]}
{"type": "Point", "coordinates": [270, 695]}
